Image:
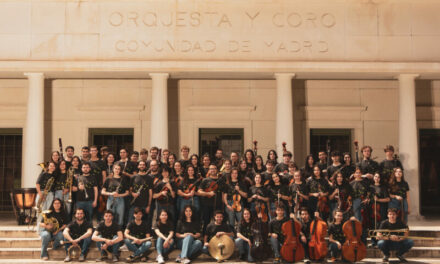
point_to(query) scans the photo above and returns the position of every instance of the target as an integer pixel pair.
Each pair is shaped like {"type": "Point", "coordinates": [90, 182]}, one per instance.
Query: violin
{"type": "Point", "coordinates": [365, 212]}
{"type": "Point", "coordinates": [236, 202]}
{"type": "Point", "coordinates": [213, 186]}
{"type": "Point", "coordinates": [259, 247]}
{"type": "Point", "coordinates": [353, 249]}
{"type": "Point", "coordinates": [260, 208]}
{"type": "Point", "coordinates": [323, 207]}
{"type": "Point", "coordinates": [292, 249]}
{"type": "Point", "coordinates": [191, 188]}
{"type": "Point", "coordinates": [317, 244]}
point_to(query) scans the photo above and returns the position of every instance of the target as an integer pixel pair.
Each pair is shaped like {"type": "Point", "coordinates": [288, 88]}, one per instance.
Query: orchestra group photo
{"type": "Point", "coordinates": [246, 207]}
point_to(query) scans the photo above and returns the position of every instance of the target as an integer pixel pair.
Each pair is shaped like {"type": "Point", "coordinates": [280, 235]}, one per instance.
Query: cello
{"type": "Point", "coordinates": [317, 244]}
{"type": "Point", "coordinates": [292, 249]}
{"type": "Point", "coordinates": [353, 249]}
{"type": "Point", "coordinates": [259, 247]}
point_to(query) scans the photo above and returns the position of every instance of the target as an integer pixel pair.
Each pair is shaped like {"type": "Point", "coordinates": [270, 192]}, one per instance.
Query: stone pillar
{"type": "Point", "coordinates": [159, 110]}
{"type": "Point", "coordinates": [33, 140]}
{"type": "Point", "coordinates": [408, 139]}
{"type": "Point", "coordinates": [284, 113]}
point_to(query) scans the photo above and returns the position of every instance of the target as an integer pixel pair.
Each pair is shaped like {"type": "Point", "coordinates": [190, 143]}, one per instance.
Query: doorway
{"type": "Point", "coordinates": [339, 139]}
{"type": "Point", "coordinates": [227, 139]}
{"type": "Point", "coordinates": [113, 138]}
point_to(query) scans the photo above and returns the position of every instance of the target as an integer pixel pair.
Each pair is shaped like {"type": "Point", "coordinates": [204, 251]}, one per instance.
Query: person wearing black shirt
{"type": "Point", "coordinates": [273, 156]}
{"type": "Point", "coordinates": [217, 228]}
{"type": "Point", "coordinates": [128, 168]}
{"type": "Point", "coordinates": [266, 176]}
{"type": "Point", "coordinates": [336, 237]}
{"type": "Point", "coordinates": [234, 186]}
{"type": "Point", "coordinates": [278, 194]}
{"type": "Point", "coordinates": [187, 191]}
{"type": "Point", "coordinates": [367, 165]}
{"type": "Point", "coordinates": [210, 199]}
{"type": "Point", "coordinates": [340, 196]}
{"type": "Point", "coordinates": [381, 196]}
{"type": "Point", "coordinates": [116, 188]}
{"type": "Point", "coordinates": [218, 159]}
{"type": "Point", "coordinates": [164, 230]}
{"type": "Point", "coordinates": [390, 162]}
{"type": "Point", "coordinates": [299, 192]}
{"type": "Point", "coordinates": [184, 152]}
{"type": "Point", "coordinates": [61, 190]}
{"type": "Point", "coordinates": [319, 189]}
{"type": "Point", "coordinates": [399, 194]}
{"type": "Point", "coordinates": [206, 161]}
{"type": "Point", "coordinates": [307, 170]}
{"type": "Point", "coordinates": [87, 191]}
{"type": "Point", "coordinates": [41, 185]}
{"type": "Point", "coordinates": [97, 167]}
{"type": "Point", "coordinates": [305, 221]}
{"type": "Point", "coordinates": [244, 236]}
{"type": "Point", "coordinates": [141, 188]}
{"type": "Point", "coordinates": [48, 234]}
{"type": "Point", "coordinates": [394, 241]}
{"type": "Point", "coordinates": [188, 234]}
{"type": "Point", "coordinates": [258, 196]}
{"type": "Point", "coordinates": [259, 164]}
{"type": "Point", "coordinates": [336, 165]}
{"type": "Point", "coordinates": [275, 232]}
{"type": "Point", "coordinates": [137, 238]}
{"type": "Point", "coordinates": [322, 162]}
{"type": "Point", "coordinates": [361, 193]}
{"type": "Point", "coordinates": [348, 168]}
{"type": "Point", "coordinates": [108, 237]}
{"type": "Point", "coordinates": [165, 192]}
{"type": "Point", "coordinates": [283, 167]}
{"type": "Point", "coordinates": [78, 232]}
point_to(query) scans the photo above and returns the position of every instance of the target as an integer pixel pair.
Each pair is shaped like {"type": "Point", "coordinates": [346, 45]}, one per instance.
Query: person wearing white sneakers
{"type": "Point", "coordinates": [164, 231]}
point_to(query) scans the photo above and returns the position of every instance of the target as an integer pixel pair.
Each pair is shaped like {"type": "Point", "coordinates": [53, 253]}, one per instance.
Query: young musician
{"type": "Point", "coordinates": [49, 233]}
{"type": "Point", "coordinates": [272, 155]}
{"type": "Point", "coordinates": [348, 168]}
{"type": "Point", "coordinates": [318, 189]}
{"type": "Point", "coordinates": [336, 237]}
{"type": "Point", "coordinates": [154, 155]}
{"type": "Point", "coordinates": [196, 164]}
{"type": "Point", "coordinates": [394, 241]}
{"type": "Point", "coordinates": [187, 191]}
{"type": "Point", "coordinates": [234, 186]}
{"type": "Point", "coordinates": [336, 165]}
{"type": "Point", "coordinates": [41, 185]}
{"type": "Point", "coordinates": [108, 237]}
{"type": "Point", "coordinates": [386, 167]}
{"type": "Point", "coordinates": [76, 164]}
{"type": "Point", "coordinates": [211, 195]}
{"type": "Point", "coordinates": [249, 157]}
{"type": "Point", "coordinates": [134, 157]}
{"type": "Point", "coordinates": [86, 191]}
{"type": "Point", "coordinates": [85, 154]}
{"type": "Point", "coordinates": [283, 167]}
{"type": "Point", "coordinates": [340, 196]}
{"type": "Point", "coordinates": [244, 174]}
{"type": "Point", "coordinates": [258, 196]}
{"type": "Point", "coordinates": [275, 232]}
{"type": "Point", "coordinates": [322, 162]}
{"type": "Point", "coordinates": [70, 152]}
{"type": "Point", "coordinates": [172, 159]}
{"type": "Point", "coordinates": [188, 234]}
{"type": "Point", "coordinates": [137, 237]}
{"type": "Point", "coordinates": [109, 162]}
{"type": "Point", "coordinates": [361, 193]}
{"type": "Point", "coordinates": [216, 228]}
{"type": "Point", "coordinates": [141, 189]}
{"type": "Point", "coordinates": [143, 155]}
{"type": "Point", "coordinates": [164, 230]}
{"type": "Point", "coordinates": [184, 154]}
{"type": "Point", "coordinates": [381, 196]}
{"type": "Point", "coordinates": [78, 232]}
{"type": "Point", "coordinates": [128, 168]}
{"type": "Point", "coordinates": [234, 159]}
{"type": "Point", "coordinates": [104, 151]}
{"type": "Point", "coordinates": [399, 194]}
{"type": "Point", "coordinates": [299, 192]}
{"type": "Point", "coordinates": [61, 188]}
{"type": "Point", "coordinates": [206, 161]}
{"type": "Point", "coordinates": [367, 165]}
{"type": "Point", "coordinates": [278, 193]}
{"type": "Point", "coordinates": [164, 192]}
{"type": "Point", "coordinates": [56, 157]}
{"type": "Point", "coordinates": [287, 178]}
{"type": "Point", "coordinates": [307, 170]}
{"type": "Point", "coordinates": [244, 236]}
{"type": "Point", "coordinates": [305, 221]}
{"type": "Point", "coordinates": [116, 188]}
{"type": "Point", "coordinates": [218, 159]}
{"type": "Point", "coordinates": [97, 167]}
{"type": "Point", "coordinates": [259, 164]}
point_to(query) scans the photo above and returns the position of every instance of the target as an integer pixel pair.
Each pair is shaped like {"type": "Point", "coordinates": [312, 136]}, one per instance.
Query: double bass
{"type": "Point", "coordinates": [317, 244]}
{"type": "Point", "coordinates": [292, 249]}
{"type": "Point", "coordinates": [353, 249]}
{"type": "Point", "coordinates": [260, 233]}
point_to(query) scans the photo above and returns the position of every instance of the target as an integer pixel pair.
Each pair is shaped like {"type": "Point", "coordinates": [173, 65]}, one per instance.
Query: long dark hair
{"type": "Point", "coordinates": [242, 221]}
{"type": "Point", "coordinates": [393, 182]}
{"type": "Point", "coordinates": [198, 160]}
{"type": "Point", "coordinates": [275, 153]}
{"type": "Point", "coordinates": [183, 216]}
{"type": "Point", "coordinates": [169, 220]}
{"type": "Point", "coordinates": [52, 207]}
{"type": "Point", "coordinates": [229, 177]}
{"type": "Point", "coordinates": [252, 156]}
{"type": "Point", "coordinates": [186, 175]}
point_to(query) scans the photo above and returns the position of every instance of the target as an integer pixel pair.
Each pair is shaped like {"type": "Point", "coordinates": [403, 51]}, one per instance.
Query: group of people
{"type": "Point", "coordinates": [184, 203]}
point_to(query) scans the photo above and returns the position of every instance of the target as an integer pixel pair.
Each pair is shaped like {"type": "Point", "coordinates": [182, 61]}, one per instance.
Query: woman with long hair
{"type": "Point", "coordinates": [187, 191]}
{"type": "Point", "coordinates": [244, 236]}
{"type": "Point", "coordinates": [61, 189]}
{"type": "Point", "coordinates": [194, 159]}
{"type": "Point", "coordinates": [272, 155]}
{"type": "Point", "coordinates": [249, 157]}
{"type": "Point", "coordinates": [164, 230]}
{"type": "Point", "coordinates": [307, 170]}
{"type": "Point", "coordinates": [399, 194]}
{"type": "Point", "coordinates": [259, 166]}
{"type": "Point", "coordinates": [234, 188]}
{"type": "Point", "coordinates": [318, 195]}
{"type": "Point", "coordinates": [188, 234]}
{"type": "Point", "coordinates": [340, 196]}
{"type": "Point", "coordinates": [116, 188]}
{"type": "Point", "coordinates": [278, 193]}
{"type": "Point", "coordinates": [109, 162]}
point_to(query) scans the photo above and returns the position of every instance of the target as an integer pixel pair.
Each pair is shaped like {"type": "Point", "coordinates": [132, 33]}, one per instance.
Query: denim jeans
{"type": "Point", "coordinates": [87, 207]}
{"type": "Point", "coordinates": [136, 248]}
{"type": "Point", "coordinates": [243, 249]}
{"type": "Point", "coordinates": [233, 216]}
{"type": "Point", "coordinates": [275, 246]}
{"type": "Point", "coordinates": [46, 237]}
{"type": "Point", "coordinates": [394, 203]}
{"type": "Point", "coordinates": [84, 244]}
{"type": "Point", "coordinates": [117, 207]}
{"type": "Point", "coordinates": [45, 206]}
{"type": "Point", "coordinates": [333, 249]}
{"type": "Point", "coordinates": [400, 246]}
{"type": "Point", "coordinates": [114, 249]}
{"type": "Point", "coordinates": [64, 197]}
{"type": "Point", "coordinates": [189, 246]}
{"type": "Point", "coordinates": [357, 206]}
{"type": "Point", "coordinates": [160, 249]}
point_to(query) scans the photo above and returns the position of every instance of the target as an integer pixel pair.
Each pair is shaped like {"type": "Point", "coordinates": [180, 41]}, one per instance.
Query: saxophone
{"type": "Point", "coordinates": [69, 182]}
{"type": "Point", "coordinates": [50, 220]}
{"type": "Point", "coordinates": [47, 188]}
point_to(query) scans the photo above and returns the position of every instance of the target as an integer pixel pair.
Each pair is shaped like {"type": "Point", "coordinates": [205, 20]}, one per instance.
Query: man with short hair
{"type": "Point", "coordinates": [336, 165]}
{"type": "Point", "coordinates": [134, 157]}
{"type": "Point", "coordinates": [127, 167]}
{"type": "Point", "coordinates": [70, 152]}
{"type": "Point", "coordinates": [137, 238]}
{"type": "Point", "coordinates": [322, 161]}
{"type": "Point", "coordinates": [394, 241]}
{"type": "Point", "coordinates": [216, 228]}
{"type": "Point", "coordinates": [143, 155]}
{"type": "Point", "coordinates": [219, 160]}
{"type": "Point", "coordinates": [85, 154]}
{"type": "Point", "coordinates": [108, 237]}
{"type": "Point", "coordinates": [141, 188]}
{"type": "Point", "coordinates": [97, 167]}
{"type": "Point", "coordinates": [78, 233]}
{"type": "Point", "coordinates": [184, 152]}
{"type": "Point", "coordinates": [87, 191]}
{"type": "Point", "coordinates": [283, 167]}
{"type": "Point", "coordinates": [211, 199]}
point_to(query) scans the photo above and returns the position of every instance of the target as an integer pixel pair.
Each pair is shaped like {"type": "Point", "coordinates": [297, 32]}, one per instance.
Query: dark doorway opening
{"type": "Point", "coordinates": [340, 139]}
{"type": "Point", "coordinates": [228, 139]}
{"type": "Point", "coordinates": [429, 171]}
{"type": "Point", "coordinates": [113, 138]}
{"type": "Point", "coordinates": [10, 164]}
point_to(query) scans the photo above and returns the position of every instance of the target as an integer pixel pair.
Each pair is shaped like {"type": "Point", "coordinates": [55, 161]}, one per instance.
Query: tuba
{"type": "Point", "coordinates": [50, 220]}
{"type": "Point", "coordinates": [39, 206]}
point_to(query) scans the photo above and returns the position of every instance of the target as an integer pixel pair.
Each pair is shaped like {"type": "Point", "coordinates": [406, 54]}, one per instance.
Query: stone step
{"type": "Point", "coordinates": [59, 254]}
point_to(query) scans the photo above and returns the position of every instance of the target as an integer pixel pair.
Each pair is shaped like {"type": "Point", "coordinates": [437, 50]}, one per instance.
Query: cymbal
{"type": "Point", "coordinates": [221, 248]}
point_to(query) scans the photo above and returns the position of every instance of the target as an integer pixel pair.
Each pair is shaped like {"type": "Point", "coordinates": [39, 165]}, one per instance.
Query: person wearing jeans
{"type": "Point", "coordinates": [116, 188]}
{"type": "Point", "coordinates": [275, 232]}
{"type": "Point", "coordinates": [164, 231]}
{"type": "Point", "coordinates": [79, 232]}
{"type": "Point", "coordinates": [108, 237]}
{"type": "Point", "coordinates": [188, 233]}
{"type": "Point", "coordinates": [244, 236]}
{"type": "Point", "coordinates": [137, 240]}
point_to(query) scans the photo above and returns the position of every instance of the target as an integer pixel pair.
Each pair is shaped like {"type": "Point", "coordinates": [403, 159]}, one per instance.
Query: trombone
{"type": "Point", "coordinates": [397, 232]}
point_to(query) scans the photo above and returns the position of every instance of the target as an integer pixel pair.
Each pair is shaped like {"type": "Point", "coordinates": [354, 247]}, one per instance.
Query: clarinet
{"type": "Point", "coordinates": [60, 143]}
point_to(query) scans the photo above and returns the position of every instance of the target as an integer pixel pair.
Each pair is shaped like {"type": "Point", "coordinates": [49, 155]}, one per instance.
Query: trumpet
{"type": "Point", "coordinates": [47, 188]}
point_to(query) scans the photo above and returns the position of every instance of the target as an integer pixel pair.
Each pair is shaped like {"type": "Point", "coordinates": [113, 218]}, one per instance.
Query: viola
{"type": "Point", "coordinates": [259, 248]}
{"type": "Point", "coordinates": [102, 203]}
{"type": "Point", "coordinates": [323, 207]}
{"type": "Point", "coordinates": [236, 202]}
{"type": "Point", "coordinates": [260, 207]}
{"type": "Point", "coordinates": [292, 249]}
{"type": "Point", "coordinates": [353, 249]}
{"type": "Point", "coordinates": [317, 244]}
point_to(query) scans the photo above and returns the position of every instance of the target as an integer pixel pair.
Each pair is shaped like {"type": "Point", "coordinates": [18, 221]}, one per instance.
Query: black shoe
{"type": "Point", "coordinates": [102, 258]}
{"type": "Point", "coordinates": [402, 259]}
{"type": "Point", "coordinates": [136, 258]}
{"type": "Point", "coordinates": [385, 258]}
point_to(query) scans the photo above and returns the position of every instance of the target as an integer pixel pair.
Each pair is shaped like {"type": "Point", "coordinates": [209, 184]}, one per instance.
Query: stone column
{"type": "Point", "coordinates": [284, 113]}
{"type": "Point", "coordinates": [408, 139]}
{"type": "Point", "coordinates": [159, 110]}
{"type": "Point", "coordinates": [33, 140]}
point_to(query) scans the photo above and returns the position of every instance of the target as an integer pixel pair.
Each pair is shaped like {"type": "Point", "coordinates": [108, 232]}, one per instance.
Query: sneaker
{"type": "Point", "coordinates": [332, 259]}
{"type": "Point", "coordinates": [402, 259]}
{"type": "Point", "coordinates": [101, 258]}
{"type": "Point", "coordinates": [307, 260]}
{"type": "Point", "coordinates": [45, 258]}
{"type": "Point", "coordinates": [178, 259]}
{"type": "Point", "coordinates": [385, 258]}
{"type": "Point", "coordinates": [115, 258]}
{"type": "Point", "coordinates": [82, 258]}
{"type": "Point", "coordinates": [67, 259]}
{"type": "Point", "coordinates": [160, 259]}
{"type": "Point", "coordinates": [186, 261]}
{"type": "Point", "coordinates": [277, 260]}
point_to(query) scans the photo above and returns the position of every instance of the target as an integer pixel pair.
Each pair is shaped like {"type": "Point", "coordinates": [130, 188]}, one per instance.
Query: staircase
{"type": "Point", "coordinates": [18, 244]}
